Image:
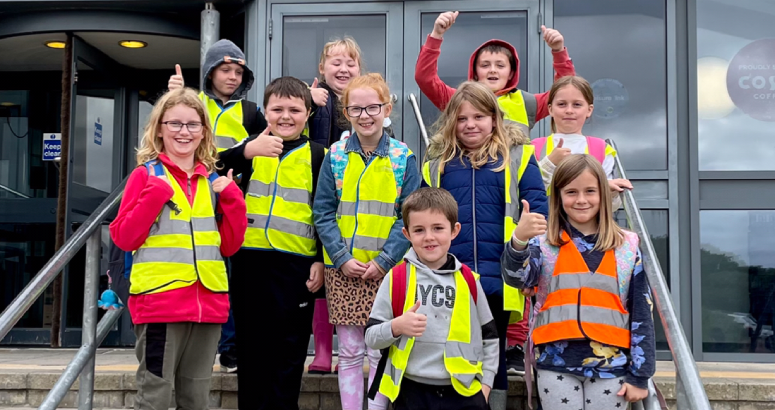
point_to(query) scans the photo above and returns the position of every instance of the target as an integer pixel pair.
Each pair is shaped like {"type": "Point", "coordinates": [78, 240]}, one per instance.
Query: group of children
{"type": "Point", "coordinates": [315, 198]}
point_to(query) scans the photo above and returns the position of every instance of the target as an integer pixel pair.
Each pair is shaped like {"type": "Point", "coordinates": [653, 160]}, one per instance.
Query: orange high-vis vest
{"type": "Point", "coordinates": [581, 305]}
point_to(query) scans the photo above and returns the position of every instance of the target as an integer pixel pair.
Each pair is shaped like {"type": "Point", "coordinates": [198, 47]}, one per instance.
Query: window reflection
{"type": "Point", "coordinates": [738, 267]}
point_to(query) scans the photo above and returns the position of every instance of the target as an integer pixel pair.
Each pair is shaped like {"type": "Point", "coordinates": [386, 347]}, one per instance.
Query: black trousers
{"type": "Point", "coordinates": [273, 321]}
{"type": "Point", "coordinates": [501, 318]}
{"type": "Point", "coordinates": [417, 396]}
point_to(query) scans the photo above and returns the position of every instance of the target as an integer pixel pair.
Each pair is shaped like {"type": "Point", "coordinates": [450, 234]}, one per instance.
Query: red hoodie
{"type": "Point", "coordinates": [143, 200]}
{"type": "Point", "coordinates": [426, 74]}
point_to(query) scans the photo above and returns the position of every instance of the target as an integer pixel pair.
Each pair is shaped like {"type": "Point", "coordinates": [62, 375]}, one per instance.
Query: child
{"type": "Point", "coordinates": [592, 326]}
{"type": "Point", "coordinates": [495, 64]}
{"type": "Point", "coordinates": [179, 289]}
{"type": "Point", "coordinates": [488, 166]}
{"type": "Point", "coordinates": [423, 352]}
{"type": "Point", "coordinates": [340, 62]}
{"type": "Point", "coordinates": [363, 183]}
{"type": "Point", "coordinates": [280, 264]}
{"type": "Point", "coordinates": [227, 80]}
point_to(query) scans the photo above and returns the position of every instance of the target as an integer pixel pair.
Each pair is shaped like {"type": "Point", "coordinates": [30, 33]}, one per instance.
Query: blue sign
{"type": "Point", "coordinates": [98, 132]}
{"type": "Point", "coordinates": [52, 146]}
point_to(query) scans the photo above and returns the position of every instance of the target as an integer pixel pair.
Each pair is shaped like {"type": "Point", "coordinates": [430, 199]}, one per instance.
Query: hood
{"type": "Point", "coordinates": [411, 256]}
{"type": "Point", "coordinates": [215, 57]}
{"type": "Point", "coordinates": [512, 84]}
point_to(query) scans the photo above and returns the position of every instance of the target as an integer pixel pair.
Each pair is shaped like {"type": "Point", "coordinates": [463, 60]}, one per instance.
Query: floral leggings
{"type": "Point", "coordinates": [352, 349]}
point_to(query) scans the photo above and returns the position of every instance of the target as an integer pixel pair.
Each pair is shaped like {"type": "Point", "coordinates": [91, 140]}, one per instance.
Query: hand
{"type": "Point", "coordinates": [265, 145]}
{"type": "Point", "coordinates": [486, 392]}
{"type": "Point", "coordinates": [354, 268]}
{"type": "Point", "coordinates": [443, 23]}
{"type": "Point", "coordinates": [222, 182]}
{"type": "Point", "coordinates": [632, 393]}
{"type": "Point", "coordinates": [529, 225]}
{"type": "Point", "coordinates": [410, 324]}
{"type": "Point", "coordinates": [315, 281]}
{"type": "Point", "coordinates": [176, 81]}
{"type": "Point", "coordinates": [374, 271]}
{"type": "Point", "coordinates": [319, 95]}
{"type": "Point", "coordinates": [553, 38]}
{"type": "Point", "coordinates": [163, 177]}
{"type": "Point", "coordinates": [528, 292]}
{"type": "Point", "coordinates": [559, 153]}
{"type": "Point", "coordinates": [619, 184]}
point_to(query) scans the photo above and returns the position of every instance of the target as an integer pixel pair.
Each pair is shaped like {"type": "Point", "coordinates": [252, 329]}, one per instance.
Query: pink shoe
{"type": "Point", "coordinates": [323, 331]}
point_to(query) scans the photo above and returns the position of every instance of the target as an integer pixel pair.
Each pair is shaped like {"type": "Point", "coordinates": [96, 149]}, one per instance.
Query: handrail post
{"type": "Point", "coordinates": [89, 327]}
{"type": "Point", "coordinates": [418, 117]}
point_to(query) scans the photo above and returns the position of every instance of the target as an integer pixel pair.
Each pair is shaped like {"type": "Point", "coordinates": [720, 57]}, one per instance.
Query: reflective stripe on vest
{"type": "Point", "coordinates": [519, 107]}
{"type": "Point", "coordinates": [462, 350]}
{"type": "Point", "coordinates": [181, 248]}
{"type": "Point", "coordinates": [582, 305]}
{"type": "Point", "coordinates": [519, 158]}
{"type": "Point", "coordinates": [279, 203]}
{"type": "Point", "coordinates": [227, 123]}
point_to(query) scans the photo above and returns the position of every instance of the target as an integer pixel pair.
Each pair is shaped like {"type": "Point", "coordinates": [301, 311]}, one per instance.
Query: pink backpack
{"type": "Point", "coordinates": [596, 147]}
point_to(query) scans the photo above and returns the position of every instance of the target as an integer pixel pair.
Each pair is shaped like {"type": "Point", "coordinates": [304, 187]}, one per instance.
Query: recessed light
{"type": "Point", "coordinates": [133, 44]}
{"type": "Point", "coordinates": [7, 104]}
{"type": "Point", "coordinates": [55, 44]}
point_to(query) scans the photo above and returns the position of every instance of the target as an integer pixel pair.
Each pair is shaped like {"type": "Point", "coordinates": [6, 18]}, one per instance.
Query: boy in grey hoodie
{"type": "Point", "coordinates": [446, 326]}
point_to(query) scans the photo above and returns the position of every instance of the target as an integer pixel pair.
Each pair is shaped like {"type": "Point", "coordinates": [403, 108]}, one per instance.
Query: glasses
{"type": "Point", "coordinates": [175, 126]}
{"type": "Point", "coordinates": [374, 109]}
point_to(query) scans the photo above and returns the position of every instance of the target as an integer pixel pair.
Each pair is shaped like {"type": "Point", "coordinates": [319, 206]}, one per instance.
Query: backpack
{"type": "Point", "coordinates": [399, 277]}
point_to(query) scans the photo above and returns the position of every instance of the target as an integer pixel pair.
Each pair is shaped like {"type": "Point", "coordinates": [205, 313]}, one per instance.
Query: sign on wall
{"type": "Point", "coordinates": [52, 146]}
{"type": "Point", "coordinates": [98, 132]}
{"type": "Point", "coordinates": [751, 79]}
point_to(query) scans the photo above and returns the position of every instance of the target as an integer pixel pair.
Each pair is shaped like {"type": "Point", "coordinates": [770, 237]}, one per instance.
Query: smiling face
{"type": "Point", "coordinates": [286, 116]}
{"type": "Point", "coordinates": [180, 144]}
{"type": "Point", "coordinates": [431, 235]}
{"type": "Point", "coordinates": [366, 125]}
{"type": "Point", "coordinates": [226, 78]}
{"type": "Point", "coordinates": [338, 69]}
{"type": "Point", "coordinates": [581, 201]}
{"type": "Point", "coordinates": [494, 70]}
{"type": "Point", "coordinates": [474, 127]}
{"type": "Point", "coordinates": [569, 110]}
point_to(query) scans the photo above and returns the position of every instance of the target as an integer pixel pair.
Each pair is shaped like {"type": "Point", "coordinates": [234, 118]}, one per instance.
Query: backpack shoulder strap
{"type": "Point", "coordinates": [398, 285]}
{"type": "Point", "coordinates": [158, 168]}
{"type": "Point", "coordinates": [470, 280]}
{"type": "Point", "coordinates": [539, 144]}
{"type": "Point", "coordinates": [249, 114]}
{"type": "Point", "coordinates": [596, 148]}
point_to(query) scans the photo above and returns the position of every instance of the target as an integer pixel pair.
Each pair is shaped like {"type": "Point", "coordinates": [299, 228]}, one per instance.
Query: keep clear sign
{"type": "Point", "coordinates": [751, 79]}
{"type": "Point", "coordinates": [52, 146]}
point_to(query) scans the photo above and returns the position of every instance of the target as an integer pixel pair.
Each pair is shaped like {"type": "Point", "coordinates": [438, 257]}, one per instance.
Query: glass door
{"type": "Point", "coordinates": [515, 21]}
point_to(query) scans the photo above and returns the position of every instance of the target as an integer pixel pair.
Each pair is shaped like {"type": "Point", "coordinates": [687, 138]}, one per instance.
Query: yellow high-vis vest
{"type": "Point", "coordinates": [279, 203]}
{"type": "Point", "coordinates": [462, 351]}
{"type": "Point", "coordinates": [183, 246]}
{"type": "Point", "coordinates": [520, 108]}
{"type": "Point", "coordinates": [519, 159]}
{"type": "Point", "coordinates": [227, 123]}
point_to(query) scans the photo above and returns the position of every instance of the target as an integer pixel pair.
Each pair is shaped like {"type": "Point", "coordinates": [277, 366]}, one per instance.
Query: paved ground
{"type": "Point", "coordinates": [29, 360]}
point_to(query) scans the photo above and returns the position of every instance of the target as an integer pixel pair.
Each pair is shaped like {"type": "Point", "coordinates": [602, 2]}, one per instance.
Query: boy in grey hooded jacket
{"type": "Point", "coordinates": [430, 224]}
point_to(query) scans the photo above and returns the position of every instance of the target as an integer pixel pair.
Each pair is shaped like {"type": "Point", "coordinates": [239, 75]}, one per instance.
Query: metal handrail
{"type": "Point", "coordinates": [17, 193]}
{"type": "Point", "coordinates": [418, 116]}
{"type": "Point", "coordinates": [690, 392]}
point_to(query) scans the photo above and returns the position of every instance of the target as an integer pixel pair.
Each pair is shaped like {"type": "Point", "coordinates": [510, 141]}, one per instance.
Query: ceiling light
{"type": "Point", "coordinates": [133, 44]}
{"type": "Point", "coordinates": [7, 104]}
{"type": "Point", "coordinates": [55, 44]}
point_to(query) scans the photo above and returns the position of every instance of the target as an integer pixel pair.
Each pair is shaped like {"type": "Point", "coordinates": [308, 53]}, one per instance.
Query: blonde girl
{"type": "Point", "coordinates": [488, 165]}
{"type": "Point", "coordinates": [167, 218]}
{"type": "Point", "coordinates": [588, 272]}
{"type": "Point", "coordinates": [363, 182]}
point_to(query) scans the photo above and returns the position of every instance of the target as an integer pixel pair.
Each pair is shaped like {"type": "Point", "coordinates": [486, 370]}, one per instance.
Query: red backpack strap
{"type": "Point", "coordinates": [596, 148]}
{"type": "Point", "coordinates": [398, 285]}
{"type": "Point", "coordinates": [539, 144]}
{"type": "Point", "coordinates": [470, 280]}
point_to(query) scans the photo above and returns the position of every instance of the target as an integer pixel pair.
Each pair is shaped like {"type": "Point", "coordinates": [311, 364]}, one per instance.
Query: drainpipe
{"type": "Point", "coordinates": [210, 31]}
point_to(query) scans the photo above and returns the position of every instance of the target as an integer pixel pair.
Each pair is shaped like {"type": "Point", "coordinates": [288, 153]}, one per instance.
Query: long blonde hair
{"type": "Point", "coordinates": [152, 144]}
{"type": "Point", "coordinates": [610, 235]}
{"type": "Point", "coordinates": [445, 144]}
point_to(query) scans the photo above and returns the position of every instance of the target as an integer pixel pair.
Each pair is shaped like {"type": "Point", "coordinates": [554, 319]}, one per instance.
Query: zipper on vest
{"type": "Point", "coordinates": [473, 212]}
{"type": "Point", "coordinates": [188, 187]}
{"type": "Point", "coordinates": [358, 201]}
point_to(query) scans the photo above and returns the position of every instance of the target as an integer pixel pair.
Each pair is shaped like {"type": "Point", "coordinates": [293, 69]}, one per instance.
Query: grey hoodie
{"type": "Point", "coordinates": [436, 288]}
{"type": "Point", "coordinates": [214, 58]}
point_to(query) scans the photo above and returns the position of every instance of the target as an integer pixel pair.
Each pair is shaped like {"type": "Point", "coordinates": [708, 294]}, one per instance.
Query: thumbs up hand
{"type": "Point", "coordinates": [553, 38]}
{"type": "Point", "coordinates": [222, 182]}
{"type": "Point", "coordinates": [530, 225]}
{"type": "Point", "coordinates": [265, 145]}
{"type": "Point", "coordinates": [559, 153]}
{"type": "Point", "coordinates": [176, 81]}
{"type": "Point", "coordinates": [443, 23]}
{"type": "Point", "coordinates": [410, 324]}
{"type": "Point", "coordinates": [163, 176]}
{"type": "Point", "coordinates": [319, 95]}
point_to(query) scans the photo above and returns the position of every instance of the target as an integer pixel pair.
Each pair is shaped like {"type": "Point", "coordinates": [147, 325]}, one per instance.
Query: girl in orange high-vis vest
{"type": "Point", "coordinates": [592, 333]}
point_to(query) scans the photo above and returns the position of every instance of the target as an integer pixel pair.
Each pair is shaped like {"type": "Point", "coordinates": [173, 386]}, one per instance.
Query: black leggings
{"type": "Point", "coordinates": [501, 318]}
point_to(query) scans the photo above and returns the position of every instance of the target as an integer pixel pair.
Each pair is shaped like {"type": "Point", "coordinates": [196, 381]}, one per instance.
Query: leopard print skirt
{"type": "Point", "coordinates": [349, 299]}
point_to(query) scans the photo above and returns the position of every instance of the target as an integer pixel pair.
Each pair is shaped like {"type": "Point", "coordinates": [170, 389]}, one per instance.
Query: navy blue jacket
{"type": "Point", "coordinates": [481, 208]}
{"type": "Point", "coordinates": [322, 123]}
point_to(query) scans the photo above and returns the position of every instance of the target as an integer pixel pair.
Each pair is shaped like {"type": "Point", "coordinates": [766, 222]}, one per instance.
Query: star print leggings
{"type": "Point", "coordinates": [562, 391]}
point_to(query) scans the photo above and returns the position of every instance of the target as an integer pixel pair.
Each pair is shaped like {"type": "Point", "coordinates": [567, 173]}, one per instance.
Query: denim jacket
{"type": "Point", "coordinates": [326, 204]}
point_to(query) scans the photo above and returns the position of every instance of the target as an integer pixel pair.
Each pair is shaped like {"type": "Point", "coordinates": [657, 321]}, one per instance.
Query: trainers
{"type": "Point", "coordinates": [515, 360]}
{"type": "Point", "coordinates": [228, 362]}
